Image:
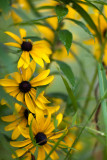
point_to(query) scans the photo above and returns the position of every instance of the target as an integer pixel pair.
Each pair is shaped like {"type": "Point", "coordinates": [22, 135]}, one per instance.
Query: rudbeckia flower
{"type": "Point", "coordinates": [21, 87]}
{"type": "Point", "coordinates": [43, 135]}
{"type": "Point", "coordinates": [20, 116]}
{"type": "Point", "coordinates": [38, 50]}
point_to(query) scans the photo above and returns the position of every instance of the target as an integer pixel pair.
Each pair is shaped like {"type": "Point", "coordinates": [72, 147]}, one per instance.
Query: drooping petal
{"type": "Point", "coordinates": [17, 77]}
{"type": "Point", "coordinates": [48, 148]}
{"type": "Point", "coordinates": [9, 118]}
{"type": "Point", "coordinates": [13, 44]}
{"type": "Point", "coordinates": [18, 153]}
{"type": "Point", "coordinates": [52, 110]}
{"type": "Point", "coordinates": [11, 126]}
{"type": "Point", "coordinates": [22, 33]}
{"type": "Point", "coordinates": [20, 143]}
{"type": "Point", "coordinates": [15, 133]}
{"type": "Point", "coordinates": [37, 59]}
{"type": "Point", "coordinates": [20, 97]}
{"type": "Point", "coordinates": [41, 153]}
{"type": "Point", "coordinates": [15, 92]}
{"type": "Point", "coordinates": [14, 36]}
{"type": "Point", "coordinates": [46, 58]}
{"type": "Point", "coordinates": [24, 132]}
{"type": "Point", "coordinates": [29, 103]}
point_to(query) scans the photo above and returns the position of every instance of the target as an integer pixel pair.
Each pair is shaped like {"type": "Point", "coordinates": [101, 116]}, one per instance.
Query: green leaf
{"type": "Point", "coordinates": [82, 25]}
{"type": "Point", "coordinates": [103, 88]}
{"type": "Point", "coordinates": [66, 69]}
{"type": "Point", "coordinates": [58, 95]}
{"type": "Point", "coordinates": [71, 94]}
{"type": "Point", "coordinates": [33, 38]}
{"type": "Point", "coordinates": [61, 12]}
{"type": "Point", "coordinates": [86, 17]}
{"type": "Point", "coordinates": [4, 5]}
{"type": "Point", "coordinates": [40, 89]}
{"type": "Point", "coordinates": [66, 38]}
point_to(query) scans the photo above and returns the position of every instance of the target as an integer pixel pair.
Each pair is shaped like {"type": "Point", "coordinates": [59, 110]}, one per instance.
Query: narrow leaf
{"type": "Point", "coordinates": [66, 69]}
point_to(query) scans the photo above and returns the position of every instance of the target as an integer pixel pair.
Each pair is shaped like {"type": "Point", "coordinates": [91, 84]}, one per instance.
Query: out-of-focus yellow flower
{"type": "Point", "coordinates": [69, 140]}
{"type": "Point", "coordinates": [24, 4]}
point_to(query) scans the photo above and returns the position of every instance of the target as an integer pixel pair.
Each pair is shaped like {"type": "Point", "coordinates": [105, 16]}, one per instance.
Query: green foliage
{"type": "Point", "coordinates": [66, 38]}
{"type": "Point", "coordinates": [67, 71]}
{"type": "Point", "coordinates": [103, 88]}
{"type": "Point", "coordinates": [61, 12]}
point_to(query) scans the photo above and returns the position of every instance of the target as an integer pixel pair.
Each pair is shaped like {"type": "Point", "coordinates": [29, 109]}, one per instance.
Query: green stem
{"type": "Point", "coordinates": [90, 91]}
{"type": "Point", "coordinates": [81, 66]}
{"type": "Point", "coordinates": [68, 156]}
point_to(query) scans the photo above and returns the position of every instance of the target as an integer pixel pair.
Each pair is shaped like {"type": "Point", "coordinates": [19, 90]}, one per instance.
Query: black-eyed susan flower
{"type": "Point", "coordinates": [38, 50]}
{"type": "Point", "coordinates": [21, 87]}
{"type": "Point", "coordinates": [18, 118]}
{"type": "Point", "coordinates": [43, 135]}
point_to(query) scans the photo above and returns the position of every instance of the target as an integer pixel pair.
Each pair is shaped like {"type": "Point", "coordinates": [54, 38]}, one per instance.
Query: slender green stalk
{"type": "Point", "coordinates": [89, 92]}
{"type": "Point", "coordinates": [81, 66]}
{"type": "Point", "coordinates": [68, 156]}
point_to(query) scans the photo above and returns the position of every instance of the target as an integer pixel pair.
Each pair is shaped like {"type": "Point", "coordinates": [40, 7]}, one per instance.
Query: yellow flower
{"type": "Point", "coordinates": [69, 140]}
{"type": "Point", "coordinates": [24, 4]}
{"type": "Point", "coordinates": [38, 50]}
{"type": "Point", "coordinates": [20, 116]}
{"type": "Point", "coordinates": [43, 134]}
{"type": "Point", "coordinates": [24, 89]}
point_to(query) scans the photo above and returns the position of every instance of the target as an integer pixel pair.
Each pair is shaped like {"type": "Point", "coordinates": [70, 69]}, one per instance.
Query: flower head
{"type": "Point", "coordinates": [22, 88]}
{"type": "Point", "coordinates": [38, 50]}
{"type": "Point", "coordinates": [43, 133]}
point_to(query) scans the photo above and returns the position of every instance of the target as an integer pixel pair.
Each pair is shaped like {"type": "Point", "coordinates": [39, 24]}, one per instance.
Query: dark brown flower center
{"type": "Point", "coordinates": [41, 138]}
{"type": "Point", "coordinates": [24, 86]}
{"type": "Point", "coordinates": [26, 46]}
{"type": "Point", "coordinates": [26, 113]}
{"type": "Point", "coordinates": [105, 33]}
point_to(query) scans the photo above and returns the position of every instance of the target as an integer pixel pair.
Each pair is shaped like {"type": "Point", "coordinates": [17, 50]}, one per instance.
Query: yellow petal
{"type": "Point", "coordinates": [37, 59]}
{"type": "Point", "coordinates": [19, 153]}
{"type": "Point", "coordinates": [13, 44]}
{"type": "Point", "coordinates": [54, 155]}
{"type": "Point", "coordinates": [20, 97]}
{"type": "Point", "coordinates": [43, 82]}
{"type": "Point", "coordinates": [15, 92]}
{"type": "Point", "coordinates": [52, 110]}
{"type": "Point", "coordinates": [41, 76]}
{"type": "Point", "coordinates": [28, 156]}
{"type": "Point", "coordinates": [15, 133]}
{"type": "Point", "coordinates": [24, 132]}
{"type": "Point", "coordinates": [20, 143]}
{"type": "Point", "coordinates": [59, 118]}
{"type": "Point", "coordinates": [46, 58]}
{"type": "Point", "coordinates": [10, 89]}
{"type": "Point", "coordinates": [11, 126]}
{"type": "Point", "coordinates": [8, 82]}
{"type": "Point", "coordinates": [24, 60]}
{"type": "Point", "coordinates": [41, 153]}
{"type": "Point", "coordinates": [17, 77]}
{"type": "Point", "coordinates": [9, 118]}
{"type": "Point", "coordinates": [14, 36]}
{"type": "Point", "coordinates": [29, 103]}
{"type": "Point", "coordinates": [22, 33]}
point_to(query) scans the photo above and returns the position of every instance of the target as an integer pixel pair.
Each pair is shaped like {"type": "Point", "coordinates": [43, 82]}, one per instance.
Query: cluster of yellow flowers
{"type": "Point", "coordinates": [35, 113]}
